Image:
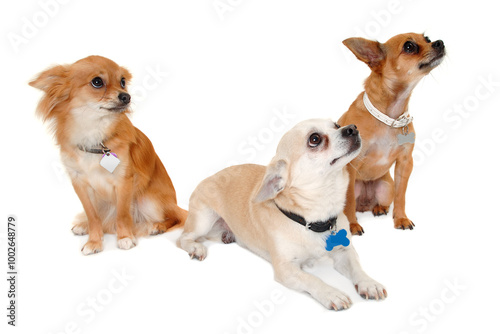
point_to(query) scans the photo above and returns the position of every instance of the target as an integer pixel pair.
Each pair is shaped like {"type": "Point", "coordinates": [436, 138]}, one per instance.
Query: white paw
{"type": "Point", "coordinates": [92, 247]}
{"type": "Point", "coordinates": [127, 243]}
{"type": "Point", "coordinates": [335, 299]}
{"type": "Point", "coordinates": [194, 249]}
{"type": "Point", "coordinates": [371, 289]}
{"type": "Point", "coordinates": [79, 230]}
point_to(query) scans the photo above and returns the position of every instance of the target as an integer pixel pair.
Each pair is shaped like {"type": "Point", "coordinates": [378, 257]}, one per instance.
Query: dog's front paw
{"type": "Point", "coordinates": [92, 247]}
{"type": "Point", "coordinates": [403, 224]}
{"type": "Point", "coordinates": [370, 289]}
{"type": "Point", "coordinates": [335, 300]}
{"type": "Point", "coordinates": [127, 243]}
{"type": "Point", "coordinates": [356, 229]}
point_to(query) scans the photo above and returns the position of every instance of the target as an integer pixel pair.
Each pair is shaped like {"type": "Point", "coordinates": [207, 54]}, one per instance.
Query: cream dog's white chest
{"type": "Point", "coordinates": [305, 245]}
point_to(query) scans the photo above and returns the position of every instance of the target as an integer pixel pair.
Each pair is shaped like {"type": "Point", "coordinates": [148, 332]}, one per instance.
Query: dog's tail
{"type": "Point", "coordinates": [179, 218]}
{"type": "Point", "coordinates": [174, 218]}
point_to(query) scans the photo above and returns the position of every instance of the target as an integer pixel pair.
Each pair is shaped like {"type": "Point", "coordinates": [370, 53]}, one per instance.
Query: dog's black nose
{"type": "Point", "coordinates": [124, 98]}
{"type": "Point", "coordinates": [438, 45]}
{"type": "Point", "coordinates": [349, 131]}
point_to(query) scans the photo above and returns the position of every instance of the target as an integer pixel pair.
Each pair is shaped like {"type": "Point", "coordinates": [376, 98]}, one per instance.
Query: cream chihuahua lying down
{"type": "Point", "coordinates": [288, 213]}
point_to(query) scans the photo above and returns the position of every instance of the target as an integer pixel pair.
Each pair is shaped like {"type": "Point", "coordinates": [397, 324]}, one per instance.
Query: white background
{"type": "Point", "coordinates": [221, 79]}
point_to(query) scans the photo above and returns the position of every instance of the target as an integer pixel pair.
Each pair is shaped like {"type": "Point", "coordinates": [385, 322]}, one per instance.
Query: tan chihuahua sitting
{"type": "Point", "coordinates": [381, 115]}
{"type": "Point", "coordinates": [289, 213]}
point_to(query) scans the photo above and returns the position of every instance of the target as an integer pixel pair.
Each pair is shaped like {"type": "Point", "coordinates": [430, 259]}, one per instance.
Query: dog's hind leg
{"type": "Point", "coordinates": [80, 224]}
{"type": "Point", "coordinates": [175, 217]}
{"type": "Point", "coordinates": [221, 232]}
{"type": "Point", "coordinates": [199, 222]}
{"type": "Point", "coordinates": [365, 195]}
{"type": "Point", "coordinates": [384, 194]}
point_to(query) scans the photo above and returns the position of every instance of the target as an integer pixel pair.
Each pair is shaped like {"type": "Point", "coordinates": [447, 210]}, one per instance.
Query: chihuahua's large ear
{"type": "Point", "coordinates": [126, 74]}
{"type": "Point", "coordinates": [50, 77]}
{"type": "Point", "coordinates": [274, 181]}
{"type": "Point", "coordinates": [54, 82]}
{"type": "Point", "coordinates": [370, 52]}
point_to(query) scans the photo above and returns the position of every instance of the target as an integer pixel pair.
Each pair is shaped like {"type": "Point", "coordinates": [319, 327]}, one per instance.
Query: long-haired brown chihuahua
{"type": "Point", "coordinates": [122, 184]}
{"type": "Point", "coordinates": [381, 115]}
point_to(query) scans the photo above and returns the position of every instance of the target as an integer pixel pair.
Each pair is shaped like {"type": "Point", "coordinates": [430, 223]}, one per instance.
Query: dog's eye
{"type": "Point", "coordinates": [410, 47]}
{"type": "Point", "coordinates": [97, 82]}
{"type": "Point", "coordinates": [122, 82]}
{"type": "Point", "coordinates": [314, 140]}
{"type": "Point", "coordinates": [337, 126]}
{"type": "Point", "coordinates": [427, 39]}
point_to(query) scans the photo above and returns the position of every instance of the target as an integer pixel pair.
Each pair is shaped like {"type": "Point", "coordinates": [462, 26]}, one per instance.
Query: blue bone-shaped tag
{"type": "Point", "coordinates": [338, 239]}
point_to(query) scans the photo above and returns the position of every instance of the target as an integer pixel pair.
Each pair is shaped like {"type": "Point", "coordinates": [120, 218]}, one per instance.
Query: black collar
{"type": "Point", "coordinates": [102, 150]}
{"type": "Point", "coordinates": [321, 226]}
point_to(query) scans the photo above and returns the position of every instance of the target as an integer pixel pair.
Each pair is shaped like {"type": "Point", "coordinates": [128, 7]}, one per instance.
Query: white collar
{"type": "Point", "coordinates": [401, 122]}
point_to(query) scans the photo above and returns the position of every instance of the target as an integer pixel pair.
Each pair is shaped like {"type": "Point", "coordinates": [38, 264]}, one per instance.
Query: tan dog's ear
{"type": "Point", "coordinates": [55, 85]}
{"type": "Point", "coordinates": [370, 52]}
{"type": "Point", "coordinates": [274, 181]}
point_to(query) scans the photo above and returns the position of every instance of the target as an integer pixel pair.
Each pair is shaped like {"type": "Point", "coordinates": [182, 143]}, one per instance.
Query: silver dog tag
{"type": "Point", "coordinates": [110, 161]}
{"type": "Point", "coordinates": [408, 138]}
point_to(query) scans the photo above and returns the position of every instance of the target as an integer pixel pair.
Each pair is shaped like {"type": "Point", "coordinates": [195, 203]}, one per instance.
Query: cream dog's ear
{"type": "Point", "coordinates": [274, 181]}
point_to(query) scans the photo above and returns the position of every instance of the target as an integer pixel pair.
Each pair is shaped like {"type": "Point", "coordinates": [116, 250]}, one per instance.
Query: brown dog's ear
{"type": "Point", "coordinates": [127, 75]}
{"type": "Point", "coordinates": [54, 83]}
{"type": "Point", "coordinates": [274, 181]}
{"type": "Point", "coordinates": [370, 52]}
{"type": "Point", "coordinates": [49, 77]}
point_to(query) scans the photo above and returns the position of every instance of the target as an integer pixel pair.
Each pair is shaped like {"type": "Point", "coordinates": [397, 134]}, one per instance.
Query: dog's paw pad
{"type": "Point", "coordinates": [403, 224]}
{"type": "Point", "coordinates": [92, 247]}
{"type": "Point", "coordinates": [370, 289]}
{"type": "Point", "coordinates": [127, 243]}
